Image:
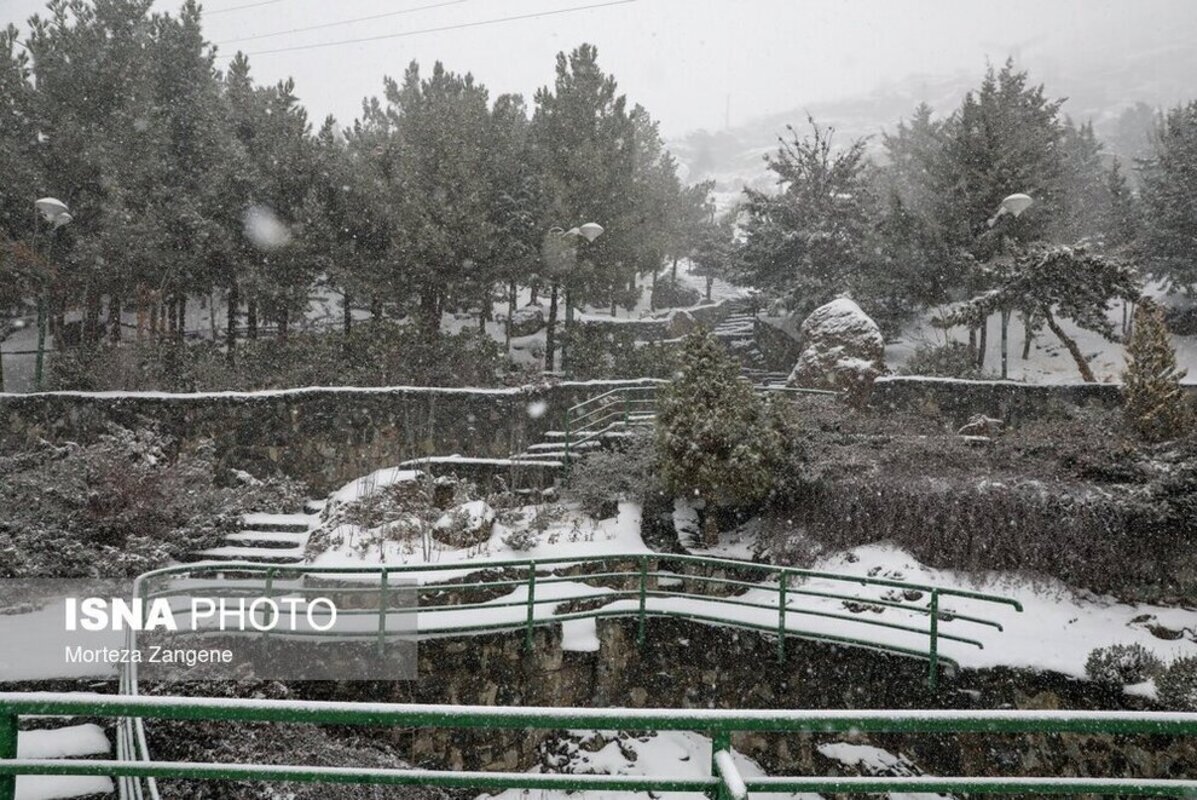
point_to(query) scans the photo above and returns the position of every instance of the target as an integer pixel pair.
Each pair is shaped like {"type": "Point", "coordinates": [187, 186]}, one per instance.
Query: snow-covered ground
{"type": "Point", "coordinates": [1049, 361]}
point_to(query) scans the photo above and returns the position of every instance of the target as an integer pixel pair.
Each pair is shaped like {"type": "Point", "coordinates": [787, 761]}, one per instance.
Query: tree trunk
{"type": "Point", "coordinates": [550, 330]}
{"type": "Point", "coordinates": [153, 321]}
{"type": "Point", "coordinates": [346, 314]}
{"type": "Point", "coordinates": [535, 293]}
{"type": "Point", "coordinates": [234, 303]}
{"type": "Point", "coordinates": [212, 314]}
{"type": "Point", "coordinates": [673, 272]}
{"type": "Point", "coordinates": [1005, 343]}
{"type": "Point", "coordinates": [182, 317]}
{"type": "Point", "coordinates": [114, 318]}
{"type": "Point", "coordinates": [251, 319]}
{"type": "Point", "coordinates": [710, 526]}
{"type": "Point", "coordinates": [284, 323]}
{"type": "Point", "coordinates": [710, 281]}
{"type": "Point", "coordinates": [652, 305]}
{"type": "Point", "coordinates": [1077, 356]}
{"type": "Point", "coordinates": [981, 343]}
{"type": "Point", "coordinates": [1028, 337]}
{"type": "Point", "coordinates": [511, 300]}
{"type": "Point", "coordinates": [171, 309]}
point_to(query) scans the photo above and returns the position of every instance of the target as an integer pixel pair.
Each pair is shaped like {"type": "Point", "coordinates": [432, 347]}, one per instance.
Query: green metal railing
{"type": "Point", "coordinates": [607, 413]}
{"type": "Point", "coordinates": [623, 586]}
{"type": "Point", "coordinates": [723, 781]}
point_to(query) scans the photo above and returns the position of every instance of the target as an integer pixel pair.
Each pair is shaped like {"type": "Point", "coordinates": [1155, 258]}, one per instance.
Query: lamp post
{"type": "Point", "coordinates": [55, 212]}
{"type": "Point", "coordinates": [1013, 204]}
{"type": "Point", "coordinates": [588, 231]}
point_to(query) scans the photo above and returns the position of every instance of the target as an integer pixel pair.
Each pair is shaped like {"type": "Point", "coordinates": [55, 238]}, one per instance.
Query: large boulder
{"type": "Point", "coordinates": [527, 321]}
{"type": "Point", "coordinates": [842, 349]}
{"type": "Point", "coordinates": [681, 323]}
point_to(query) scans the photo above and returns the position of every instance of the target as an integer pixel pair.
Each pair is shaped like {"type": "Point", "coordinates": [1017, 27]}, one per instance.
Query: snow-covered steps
{"type": "Point", "coordinates": [72, 741]}
{"type": "Point", "coordinates": [314, 506]}
{"type": "Point", "coordinates": [283, 523]}
{"type": "Point", "coordinates": [281, 540]}
{"type": "Point", "coordinates": [255, 555]}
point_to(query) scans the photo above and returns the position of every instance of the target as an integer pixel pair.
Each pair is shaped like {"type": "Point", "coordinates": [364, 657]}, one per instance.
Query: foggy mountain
{"type": "Point", "coordinates": [1120, 96]}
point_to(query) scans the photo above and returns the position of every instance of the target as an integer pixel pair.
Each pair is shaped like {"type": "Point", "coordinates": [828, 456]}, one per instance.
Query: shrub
{"type": "Point", "coordinates": [1177, 685]}
{"type": "Point", "coordinates": [716, 439]}
{"type": "Point", "coordinates": [372, 354]}
{"type": "Point", "coordinates": [674, 294]}
{"type": "Point", "coordinates": [1120, 664]}
{"type": "Point", "coordinates": [1156, 405]}
{"type": "Point", "coordinates": [115, 508]}
{"type": "Point", "coordinates": [951, 360]}
{"type": "Point", "coordinates": [600, 480]}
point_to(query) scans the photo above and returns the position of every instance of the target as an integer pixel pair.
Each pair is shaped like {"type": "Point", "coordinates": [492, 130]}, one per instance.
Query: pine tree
{"type": "Point", "coordinates": [812, 240]}
{"type": "Point", "coordinates": [715, 440]}
{"type": "Point", "coordinates": [1047, 283]}
{"type": "Point", "coordinates": [1170, 199]}
{"type": "Point", "coordinates": [1155, 404]}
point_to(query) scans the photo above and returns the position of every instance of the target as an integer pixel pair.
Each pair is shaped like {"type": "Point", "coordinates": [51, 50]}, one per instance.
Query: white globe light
{"type": "Point", "coordinates": [591, 230]}
{"type": "Point", "coordinates": [51, 209]}
{"type": "Point", "coordinates": [1017, 203]}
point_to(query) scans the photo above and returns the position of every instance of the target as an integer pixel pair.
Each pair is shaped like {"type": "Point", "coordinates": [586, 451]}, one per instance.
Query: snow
{"type": "Point", "coordinates": [376, 481]}
{"type": "Point", "coordinates": [69, 742]}
{"type": "Point", "coordinates": [580, 636]}
{"type": "Point", "coordinates": [1048, 362]}
{"type": "Point", "coordinates": [676, 754]}
{"type": "Point", "coordinates": [53, 787]}
{"type": "Point", "coordinates": [574, 534]}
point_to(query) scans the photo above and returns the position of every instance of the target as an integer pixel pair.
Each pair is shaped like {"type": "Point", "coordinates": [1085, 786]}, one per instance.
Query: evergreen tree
{"type": "Point", "coordinates": [715, 251]}
{"type": "Point", "coordinates": [1170, 200]}
{"type": "Point", "coordinates": [1154, 403]}
{"type": "Point", "coordinates": [1049, 282]}
{"type": "Point", "coordinates": [716, 440]}
{"type": "Point", "coordinates": [812, 240]}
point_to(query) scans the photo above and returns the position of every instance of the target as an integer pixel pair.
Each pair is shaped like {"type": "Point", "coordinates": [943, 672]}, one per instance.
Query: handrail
{"type": "Point", "coordinates": [133, 741]}
{"type": "Point", "coordinates": [720, 724]}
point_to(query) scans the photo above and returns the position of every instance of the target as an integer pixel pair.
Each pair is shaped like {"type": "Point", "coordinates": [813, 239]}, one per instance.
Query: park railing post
{"type": "Point", "coordinates": [720, 740]}
{"type": "Point", "coordinates": [531, 605]}
{"type": "Point", "coordinates": [933, 673]}
{"type": "Point", "coordinates": [643, 593]}
{"type": "Point", "coordinates": [382, 614]}
{"type": "Point", "coordinates": [781, 617]}
{"type": "Point", "coordinates": [8, 749]}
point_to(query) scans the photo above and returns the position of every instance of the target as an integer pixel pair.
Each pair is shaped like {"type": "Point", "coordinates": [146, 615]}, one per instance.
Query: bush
{"type": "Point", "coordinates": [1120, 664]}
{"type": "Point", "coordinates": [670, 294]}
{"type": "Point", "coordinates": [123, 505]}
{"type": "Point", "coordinates": [951, 360]}
{"type": "Point", "coordinates": [717, 440]}
{"type": "Point", "coordinates": [600, 480]}
{"type": "Point", "coordinates": [1156, 405]}
{"type": "Point", "coordinates": [372, 354]}
{"type": "Point", "coordinates": [1177, 685]}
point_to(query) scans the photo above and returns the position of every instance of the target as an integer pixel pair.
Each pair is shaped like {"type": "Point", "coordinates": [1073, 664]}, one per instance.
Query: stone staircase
{"type": "Point", "coordinates": [72, 740]}
{"type": "Point", "coordinates": [266, 538]}
{"type": "Point", "coordinates": [738, 334]}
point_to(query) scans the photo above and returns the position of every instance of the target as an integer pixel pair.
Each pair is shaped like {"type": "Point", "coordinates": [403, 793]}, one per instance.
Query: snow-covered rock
{"type": "Point", "coordinates": [527, 320]}
{"type": "Point", "coordinates": [681, 323]}
{"type": "Point", "coordinates": [466, 525]}
{"type": "Point", "coordinates": [842, 348]}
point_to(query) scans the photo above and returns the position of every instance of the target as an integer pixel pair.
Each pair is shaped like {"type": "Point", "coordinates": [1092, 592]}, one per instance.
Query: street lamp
{"type": "Point", "coordinates": [1013, 204]}
{"type": "Point", "coordinates": [55, 212]}
{"type": "Point", "coordinates": [588, 231]}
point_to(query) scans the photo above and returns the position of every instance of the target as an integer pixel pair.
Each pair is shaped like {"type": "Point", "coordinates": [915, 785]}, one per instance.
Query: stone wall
{"type": "Point", "coordinates": [325, 436]}
{"type": "Point", "coordinates": [1008, 400]}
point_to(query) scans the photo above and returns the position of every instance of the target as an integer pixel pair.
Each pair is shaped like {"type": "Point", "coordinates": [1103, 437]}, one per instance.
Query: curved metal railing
{"type": "Point", "coordinates": [640, 585]}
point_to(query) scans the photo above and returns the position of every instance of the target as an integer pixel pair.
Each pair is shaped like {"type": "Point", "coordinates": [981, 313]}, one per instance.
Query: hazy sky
{"type": "Point", "coordinates": [682, 59]}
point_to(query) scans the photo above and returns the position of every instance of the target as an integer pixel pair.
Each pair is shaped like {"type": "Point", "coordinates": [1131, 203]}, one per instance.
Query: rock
{"type": "Point", "coordinates": [981, 425]}
{"type": "Point", "coordinates": [527, 321]}
{"type": "Point", "coordinates": [466, 525]}
{"type": "Point", "coordinates": [680, 324]}
{"type": "Point", "coordinates": [842, 349]}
